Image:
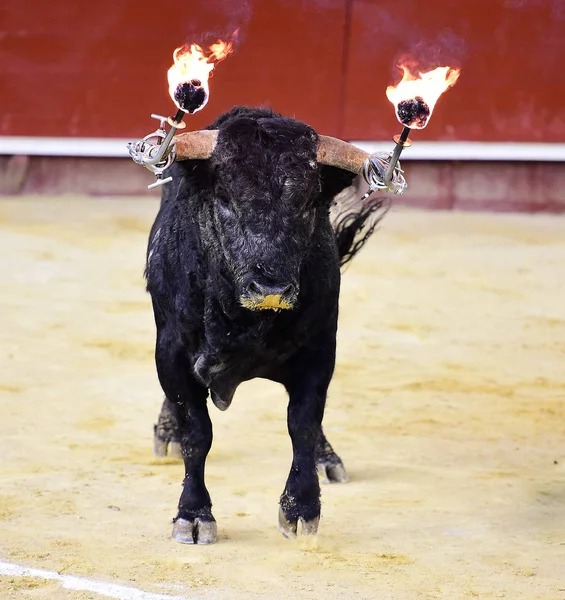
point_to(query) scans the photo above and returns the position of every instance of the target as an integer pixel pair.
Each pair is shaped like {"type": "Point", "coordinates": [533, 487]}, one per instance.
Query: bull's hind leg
{"type": "Point", "coordinates": [166, 434]}
{"type": "Point", "coordinates": [309, 375]}
{"type": "Point", "coordinates": [194, 522]}
{"type": "Point", "coordinates": [329, 465]}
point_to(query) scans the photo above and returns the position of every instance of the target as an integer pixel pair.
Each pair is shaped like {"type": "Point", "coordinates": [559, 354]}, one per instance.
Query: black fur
{"type": "Point", "coordinates": [258, 209]}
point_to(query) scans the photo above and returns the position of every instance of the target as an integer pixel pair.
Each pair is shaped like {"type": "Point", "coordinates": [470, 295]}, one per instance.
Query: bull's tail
{"type": "Point", "coordinates": [354, 221]}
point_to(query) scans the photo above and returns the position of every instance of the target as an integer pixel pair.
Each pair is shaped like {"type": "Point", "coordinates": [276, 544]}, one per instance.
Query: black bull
{"type": "Point", "coordinates": [243, 268]}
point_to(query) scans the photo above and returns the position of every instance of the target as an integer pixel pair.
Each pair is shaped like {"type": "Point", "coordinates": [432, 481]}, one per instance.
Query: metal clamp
{"type": "Point", "coordinates": [156, 151]}
{"type": "Point", "coordinates": [376, 172]}
{"type": "Point", "coordinates": [382, 170]}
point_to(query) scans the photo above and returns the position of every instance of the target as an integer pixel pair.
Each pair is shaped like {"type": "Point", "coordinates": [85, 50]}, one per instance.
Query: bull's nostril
{"type": "Point", "coordinates": [254, 288]}
{"type": "Point", "coordinates": [288, 290]}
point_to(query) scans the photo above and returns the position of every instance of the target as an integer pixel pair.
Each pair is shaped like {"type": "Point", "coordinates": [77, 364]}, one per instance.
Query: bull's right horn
{"type": "Point", "coordinates": [195, 145]}
{"type": "Point", "coordinates": [337, 153]}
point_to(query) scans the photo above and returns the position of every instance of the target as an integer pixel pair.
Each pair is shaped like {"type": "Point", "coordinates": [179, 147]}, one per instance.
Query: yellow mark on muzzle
{"type": "Point", "coordinates": [270, 302]}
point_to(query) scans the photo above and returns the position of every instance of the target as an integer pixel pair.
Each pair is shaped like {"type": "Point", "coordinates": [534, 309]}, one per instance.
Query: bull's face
{"type": "Point", "coordinates": [262, 209]}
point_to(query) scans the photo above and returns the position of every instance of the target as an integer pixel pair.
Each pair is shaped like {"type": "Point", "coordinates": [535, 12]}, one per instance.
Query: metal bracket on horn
{"type": "Point", "coordinates": [156, 151]}
{"type": "Point", "coordinates": [382, 170]}
{"type": "Point", "coordinates": [375, 169]}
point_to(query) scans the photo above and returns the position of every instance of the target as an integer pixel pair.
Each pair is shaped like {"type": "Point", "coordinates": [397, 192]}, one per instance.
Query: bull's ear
{"type": "Point", "coordinates": [334, 180]}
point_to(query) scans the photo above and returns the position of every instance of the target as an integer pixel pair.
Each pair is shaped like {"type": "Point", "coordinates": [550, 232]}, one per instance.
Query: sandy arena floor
{"type": "Point", "coordinates": [448, 409]}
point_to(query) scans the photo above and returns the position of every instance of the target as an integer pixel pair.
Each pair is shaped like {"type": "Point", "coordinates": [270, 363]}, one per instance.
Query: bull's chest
{"type": "Point", "coordinates": [229, 357]}
{"type": "Point", "coordinates": [223, 372]}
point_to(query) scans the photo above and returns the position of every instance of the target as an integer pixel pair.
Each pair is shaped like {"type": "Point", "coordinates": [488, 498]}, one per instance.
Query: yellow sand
{"type": "Point", "coordinates": [448, 409]}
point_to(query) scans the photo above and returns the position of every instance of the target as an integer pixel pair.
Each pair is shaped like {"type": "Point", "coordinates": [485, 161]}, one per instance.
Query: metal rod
{"type": "Point", "coordinates": [404, 135]}
{"type": "Point", "coordinates": [395, 156]}
{"type": "Point", "coordinates": [164, 145]}
{"type": "Point", "coordinates": [179, 116]}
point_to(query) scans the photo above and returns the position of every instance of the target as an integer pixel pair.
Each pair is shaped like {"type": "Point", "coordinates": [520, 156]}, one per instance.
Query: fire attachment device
{"type": "Point", "coordinates": [188, 88]}
{"type": "Point", "coordinates": [413, 98]}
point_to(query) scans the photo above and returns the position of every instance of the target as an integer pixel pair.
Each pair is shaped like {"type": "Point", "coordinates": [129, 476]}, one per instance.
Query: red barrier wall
{"type": "Point", "coordinates": [99, 68]}
{"type": "Point", "coordinates": [510, 52]}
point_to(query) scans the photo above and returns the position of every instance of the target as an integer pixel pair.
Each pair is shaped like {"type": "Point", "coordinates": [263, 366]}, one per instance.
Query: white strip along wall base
{"type": "Point", "coordinates": [466, 151]}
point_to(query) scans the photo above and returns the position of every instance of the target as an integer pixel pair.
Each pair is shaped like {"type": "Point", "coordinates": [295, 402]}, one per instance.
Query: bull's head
{"type": "Point", "coordinates": [265, 186]}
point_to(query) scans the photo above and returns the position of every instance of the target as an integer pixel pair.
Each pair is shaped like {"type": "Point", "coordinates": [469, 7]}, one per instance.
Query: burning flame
{"type": "Point", "coordinates": [414, 97]}
{"type": "Point", "coordinates": [192, 67]}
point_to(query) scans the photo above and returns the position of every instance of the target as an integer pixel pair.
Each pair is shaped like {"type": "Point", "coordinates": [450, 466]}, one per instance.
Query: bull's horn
{"type": "Point", "coordinates": [195, 145]}
{"type": "Point", "coordinates": [337, 153]}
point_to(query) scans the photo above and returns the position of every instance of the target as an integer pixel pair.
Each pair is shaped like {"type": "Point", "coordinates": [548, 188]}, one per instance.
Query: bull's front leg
{"type": "Point", "coordinates": [194, 522]}
{"type": "Point", "coordinates": [309, 375]}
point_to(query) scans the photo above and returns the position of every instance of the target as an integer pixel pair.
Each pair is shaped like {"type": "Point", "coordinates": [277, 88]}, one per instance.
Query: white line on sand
{"type": "Point", "coordinates": [112, 590]}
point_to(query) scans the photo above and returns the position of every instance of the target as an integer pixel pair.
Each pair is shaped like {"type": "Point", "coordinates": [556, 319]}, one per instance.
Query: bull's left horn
{"type": "Point", "coordinates": [337, 153]}
{"type": "Point", "coordinates": [195, 145]}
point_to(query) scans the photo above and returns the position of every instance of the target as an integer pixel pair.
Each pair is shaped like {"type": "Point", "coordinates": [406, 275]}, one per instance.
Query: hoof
{"type": "Point", "coordinates": [195, 532]}
{"type": "Point", "coordinates": [161, 445]}
{"type": "Point", "coordinates": [175, 450]}
{"type": "Point", "coordinates": [332, 472]}
{"type": "Point", "coordinates": [290, 528]}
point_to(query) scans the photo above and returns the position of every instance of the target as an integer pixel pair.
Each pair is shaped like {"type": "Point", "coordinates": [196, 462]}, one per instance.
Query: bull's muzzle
{"type": "Point", "coordinates": [260, 296]}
